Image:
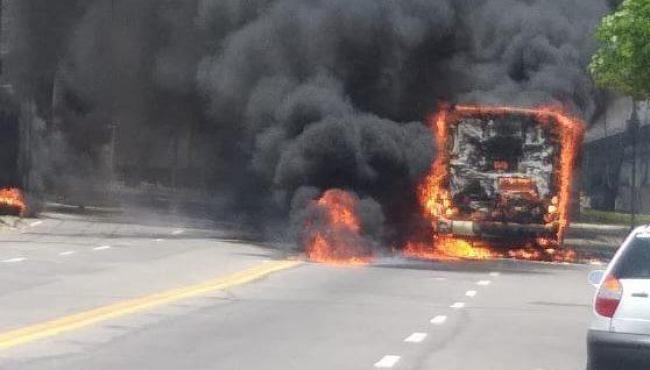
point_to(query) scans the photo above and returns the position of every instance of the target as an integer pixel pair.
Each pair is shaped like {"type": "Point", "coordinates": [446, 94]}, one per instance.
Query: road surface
{"type": "Point", "coordinates": [78, 293]}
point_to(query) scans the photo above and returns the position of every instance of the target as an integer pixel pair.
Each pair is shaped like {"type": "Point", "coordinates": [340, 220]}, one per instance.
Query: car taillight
{"type": "Point", "coordinates": [609, 296]}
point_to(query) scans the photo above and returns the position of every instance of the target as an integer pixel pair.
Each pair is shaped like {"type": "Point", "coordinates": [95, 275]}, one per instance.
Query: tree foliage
{"type": "Point", "coordinates": [623, 60]}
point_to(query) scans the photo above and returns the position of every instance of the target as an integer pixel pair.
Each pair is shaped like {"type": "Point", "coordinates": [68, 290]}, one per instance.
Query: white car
{"type": "Point", "coordinates": [619, 336]}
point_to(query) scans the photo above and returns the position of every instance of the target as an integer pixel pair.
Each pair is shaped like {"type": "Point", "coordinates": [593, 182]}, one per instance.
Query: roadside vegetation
{"type": "Point", "coordinates": [589, 215]}
{"type": "Point", "coordinates": [622, 61]}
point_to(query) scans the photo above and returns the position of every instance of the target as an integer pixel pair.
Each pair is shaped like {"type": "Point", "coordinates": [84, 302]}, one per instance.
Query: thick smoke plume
{"type": "Point", "coordinates": [279, 100]}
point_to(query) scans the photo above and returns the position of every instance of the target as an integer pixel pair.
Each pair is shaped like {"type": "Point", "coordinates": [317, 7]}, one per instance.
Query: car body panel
{"type": "Point", "coordinates": [626, 336]}
{"type": "Point", "coordinates": [633, 313]}
{"type": "Point", "coordinates": [599, 322]}
{"type": "Point", "coordinates": [618, 351]}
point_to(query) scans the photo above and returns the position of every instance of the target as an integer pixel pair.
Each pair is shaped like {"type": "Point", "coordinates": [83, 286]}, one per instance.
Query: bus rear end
{"type": "Point", "coordinates": [502, 175]}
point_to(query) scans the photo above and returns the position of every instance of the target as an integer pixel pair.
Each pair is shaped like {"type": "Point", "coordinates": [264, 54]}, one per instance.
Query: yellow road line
{"type": "Point", "coordinates": [75, 321]}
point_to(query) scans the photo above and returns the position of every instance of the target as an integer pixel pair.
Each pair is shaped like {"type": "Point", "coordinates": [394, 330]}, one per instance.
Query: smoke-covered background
{"type": "Point", "coordinates": [266, 103]}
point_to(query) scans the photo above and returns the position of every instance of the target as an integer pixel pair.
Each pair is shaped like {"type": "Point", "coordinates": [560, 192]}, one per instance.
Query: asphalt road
{"type": "Point", "coordinates": [404, 314]}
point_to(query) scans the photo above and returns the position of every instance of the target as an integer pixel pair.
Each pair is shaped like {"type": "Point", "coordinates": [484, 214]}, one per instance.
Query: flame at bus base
{"type": "Point", "coordinates": [440, 205]}
{"type": "Point", "coordinates": [335, 237]}
{"type": "Point", "coordinates": [449, 249]}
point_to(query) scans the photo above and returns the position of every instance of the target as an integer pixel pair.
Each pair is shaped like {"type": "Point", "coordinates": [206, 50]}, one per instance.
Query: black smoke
{"type": "Point", "coordinates": [278, 96]}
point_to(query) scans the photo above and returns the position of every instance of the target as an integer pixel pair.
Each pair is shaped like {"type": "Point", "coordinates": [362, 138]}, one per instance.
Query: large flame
{"type": "Point", "coordinates": [12, 201]}
{"type": "Point", "coordinates": [436, 201]}
{"type": "Point", "coordinates": [336, 238]}
{"type": "Point", "coordinates": [431, 189]}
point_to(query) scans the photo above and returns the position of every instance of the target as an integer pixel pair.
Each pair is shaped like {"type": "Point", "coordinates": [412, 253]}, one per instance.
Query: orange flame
{"type": "Point", "coordinates": [339, 242]}
{"type": "Point", "coordinates": [431, 192]}
{"type": "Point", "coordinates": [461, 248]}
{"type": "Point", "coordinates": [12, 201]}
{"type": "Point", "coordinates": [525, 254]}
{"type": "Point", "coordinates": [436, 201]}
{"type": "Point", "coordinates": [449, 248]}
{"type": "Point", "coordinates": [549, 254]}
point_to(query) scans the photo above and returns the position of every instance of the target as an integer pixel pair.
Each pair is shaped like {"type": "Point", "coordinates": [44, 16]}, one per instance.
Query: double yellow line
{"type": "Point", "coordinates": [76, 321]}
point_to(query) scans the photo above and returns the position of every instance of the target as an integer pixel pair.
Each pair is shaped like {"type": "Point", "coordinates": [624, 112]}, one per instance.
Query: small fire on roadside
{"type": "Point", "coordinates": [12, 202]}
{"type": "Point", "coordinates": [333, 235]}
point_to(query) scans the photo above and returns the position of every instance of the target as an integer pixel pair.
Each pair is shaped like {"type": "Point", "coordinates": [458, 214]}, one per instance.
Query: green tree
{"type": "Point", "coordinates": [622, 62]}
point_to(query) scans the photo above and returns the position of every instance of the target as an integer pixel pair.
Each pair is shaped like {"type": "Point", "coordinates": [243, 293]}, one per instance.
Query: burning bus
{"type": "Point", "coordinates": [502, 175]}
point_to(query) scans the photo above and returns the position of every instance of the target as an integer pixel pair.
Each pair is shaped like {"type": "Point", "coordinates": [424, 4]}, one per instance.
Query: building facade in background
{"type": "Point", "coordinates": [608, 157]}
{"type": "Point", "coordinates": [9, 122]}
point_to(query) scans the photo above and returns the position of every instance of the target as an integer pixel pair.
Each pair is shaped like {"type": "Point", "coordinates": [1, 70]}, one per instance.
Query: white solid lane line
{"type": "Point", "coordinates": [471, 293]}
{"type": "Point", "coordinates": [415, 337]}
{"type": "Point", "coordinates": [178, 232]}
{"type": "Point", "coordinates": [35, 223]}
{"type": "Point", "coordinates": [14, 260]}
{"type": "Point", "coordinates": [457, 305]}
{"type": "Point", "coordinates": [439, 320]}
{"type": "Point", "coordinates": [101, 248]}
{"type": "Point", "coordinates": [484, 282]}
{"type": "Point", "coordinates": [387, 362]}
{"type": "Point", "coordinates": [66, 253]}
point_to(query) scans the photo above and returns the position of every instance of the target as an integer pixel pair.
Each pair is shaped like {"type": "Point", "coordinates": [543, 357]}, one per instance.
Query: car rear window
{"type": "Point", "coordinates": [635, 261]}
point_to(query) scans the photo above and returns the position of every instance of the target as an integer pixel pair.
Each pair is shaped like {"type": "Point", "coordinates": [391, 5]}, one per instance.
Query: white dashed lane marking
{"type": "Point", "coordinates": [439, 320]}
{"type": "Point", "coordinates": [416, 337]}
{"type": "Point", "coordinates": [66, 253]}
{"type": "Point", "coordinates": [387, 362]}
{"type": "Point", "coordinates": [159, 240]}
{"type": "Point", "coordinates": [390, 360]}
{"type": "Point", "coordinates": [178, 232]}
{"type": "Point", "coordinates": [101, 248]}
{"type": "Point", "coordinates": [14, 260]}
{"type": "Point", "coordinates": [35, 223]}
